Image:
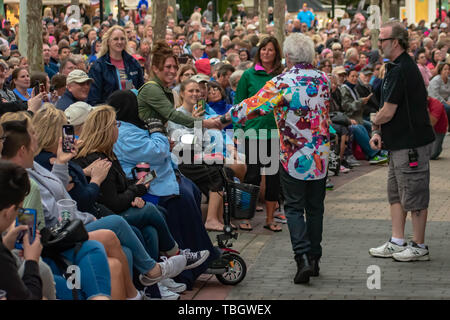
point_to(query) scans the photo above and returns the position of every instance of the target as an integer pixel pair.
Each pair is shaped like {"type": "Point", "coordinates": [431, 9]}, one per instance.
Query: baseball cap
{"type": "Point", "coordinates": [203, 66]}
{"type": "Point", "coordinates": [197, 45]}
{"type": "Point", "coordinates": [251, 27]}
{"type": "Point", "coordinates": [138, 57]}
{"type": "Point", "coordinates": [367, 70]}
{"type": "Point", "coordinates": [443, 25]}
{"type": "Point", "coordinates": [78, 76]}
{"type": "Point", "coordinates": [339, 70]}
{"type": "Point", "coordinates": [78, 112]}
{"type": "Point", "coordinates": [200, 78]}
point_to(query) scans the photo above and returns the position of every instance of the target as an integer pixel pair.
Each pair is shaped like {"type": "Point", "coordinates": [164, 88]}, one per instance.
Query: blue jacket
{"type": "Point", "coordinates": [136, 145]}
{"type": "Point", "coordinates": [65, 101]}
{"type": "Point", "coordinates": [106, 77]}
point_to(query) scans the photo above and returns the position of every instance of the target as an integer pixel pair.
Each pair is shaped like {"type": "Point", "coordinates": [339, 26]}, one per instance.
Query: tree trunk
{"type": "Point", "coordinates": [386, 9]}
{"type": "Point", "coordinates": [34, 39]}
{"type": "Point", "coordinates": [173, 4]}
{"type": "Point", "coordinates": [2, 9]}
{"type": "Point", "coordinates": [74, 2]}
{"type": "Point", "coordinates": [279, 20]}
{"type": "Point", "coordinates": [263, 6]}
{"type": "Point", "coordinates": [159, 19]}
{"type": "Point", "coordinates": [256, 7]}
{"type": "Point", "coordinates": [374, 32]}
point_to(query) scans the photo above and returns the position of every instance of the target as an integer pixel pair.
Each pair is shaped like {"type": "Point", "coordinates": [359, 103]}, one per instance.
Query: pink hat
{"type": "Point", "coordinates": [203, 66]}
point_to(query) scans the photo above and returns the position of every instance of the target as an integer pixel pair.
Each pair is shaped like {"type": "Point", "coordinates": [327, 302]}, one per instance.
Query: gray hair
{"type": "Point", "coordinates": [299, 48]}
{"type": "Point", "coordinates": [235, 77]}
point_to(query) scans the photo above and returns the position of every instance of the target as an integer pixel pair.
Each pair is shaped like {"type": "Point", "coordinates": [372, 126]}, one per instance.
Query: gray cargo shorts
{"type": "Point", "coordinates": [409, 186]}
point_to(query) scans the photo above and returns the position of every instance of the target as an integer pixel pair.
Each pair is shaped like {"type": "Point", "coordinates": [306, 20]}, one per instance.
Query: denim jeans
{"type": "Point", "coordinates": [152, 224]}
{"type": "Point", "coordinates": [437, 145]}
{"type": "Point", "coordinates": [362, 138]}
{"type": "Point", "coordinates": [447, 111]}
{"type": "Point", "coordinates": [304, 196]}
{"type": "Point", "coordinates": [95, 275]}
{"type": "Point", "coordinates": [141, 259]}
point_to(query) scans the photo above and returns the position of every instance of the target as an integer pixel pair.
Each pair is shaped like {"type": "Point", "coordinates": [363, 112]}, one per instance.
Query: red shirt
{"type": "Point", "coordinates": [437, 110]}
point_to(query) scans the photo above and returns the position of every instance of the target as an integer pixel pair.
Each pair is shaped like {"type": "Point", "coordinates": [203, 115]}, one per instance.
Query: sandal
{"type": "Point", "coordinates": [245, 226]}
{"type": "Point", "coordinates": [272, 227]}
{"type": "Point", "coordinates": [281, 218]}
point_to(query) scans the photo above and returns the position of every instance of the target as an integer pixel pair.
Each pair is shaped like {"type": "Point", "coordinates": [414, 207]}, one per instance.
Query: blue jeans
{"type": "Point", "coordinates": [304, 196]}
{"type": "Point", "coordinates": [362, 138]}
{"type": "Point", "coordinates": [95, 275]}
{"type": "Point", "coordinates": [141, 260]}
{"type": "Point", "coordinates": [152, 224]}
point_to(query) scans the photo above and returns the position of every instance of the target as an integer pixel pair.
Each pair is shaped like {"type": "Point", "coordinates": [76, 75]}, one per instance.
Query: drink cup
{"type": "Point", "coordinates": [66, 208]}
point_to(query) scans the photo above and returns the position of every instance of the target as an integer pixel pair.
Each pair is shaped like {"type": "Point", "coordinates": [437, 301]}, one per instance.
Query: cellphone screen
{"type": "Point", "coordinates": [150, 176]}
{"type": "Point", "coordinates": [200, 104]}
{"type": "Point", "coordinates": [42, 87]}
{"type": "Point", "coordinates": [68, 138]}
{"type": "Point", "coordinates": [182, 60]}
{"type": "Point", "coordinates": [26, 217]}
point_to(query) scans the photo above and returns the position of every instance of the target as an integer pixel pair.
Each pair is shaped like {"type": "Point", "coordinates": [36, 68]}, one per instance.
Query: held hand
{"type": "Point", "coordinates": [65, 157]}
{"type": "Point", "coordinates": [10, 238]}
{"type": "Point", "coordinates": [88, 170]}
{"type": "Point", "coordinates": [32, 251]}
{"type": "Point", "coordinates": [212, 123]}
{"type": "Point", "coordinates": [35, 102]}
{"type": "Point", "coordinates": [375, 142]}
{"type": "Point", "coordinates": [353, 122]}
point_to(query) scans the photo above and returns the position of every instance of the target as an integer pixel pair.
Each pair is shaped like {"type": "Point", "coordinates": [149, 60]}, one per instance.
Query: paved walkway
{"type": "Point", "coordinates": [356, 218]}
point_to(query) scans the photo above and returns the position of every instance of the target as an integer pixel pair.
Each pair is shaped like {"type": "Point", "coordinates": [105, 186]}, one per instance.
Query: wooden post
{"type": "Point", "coordinates": [159, 19]}
{"type": "Point", "coordinates": [263, 15]}
{"type": "Point", "coordinates": [374, 32]}
{"type": "Point", "coordinates": [34, 39]}
{"type": "Point", "coordinates": [173, 4]}
{"type": "Point", "coordinates": [279, 20]}
{"type": "Point", "coordinates": [385, 10]}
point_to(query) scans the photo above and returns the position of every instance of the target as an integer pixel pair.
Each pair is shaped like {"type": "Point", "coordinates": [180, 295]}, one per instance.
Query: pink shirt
{"type": "Point", "coordinates": [426, 74]}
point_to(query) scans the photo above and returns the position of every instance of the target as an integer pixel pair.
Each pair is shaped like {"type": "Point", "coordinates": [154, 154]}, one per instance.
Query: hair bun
{"type": "Point", "coordinates": [161, 46]}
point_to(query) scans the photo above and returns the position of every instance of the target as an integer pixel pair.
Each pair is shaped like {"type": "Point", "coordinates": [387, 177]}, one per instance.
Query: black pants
{"type": "Point", "coordinates": [304, 196]}
{"type": "Point", "coordinates": [253, 174]}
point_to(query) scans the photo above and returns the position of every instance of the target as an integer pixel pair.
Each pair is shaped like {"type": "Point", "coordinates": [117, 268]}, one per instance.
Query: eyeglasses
{"type": "Point", "coordinates": [213, 89]}
{"type": "Point", "coordinates": [381, 40]}
{"type": "Point", "coordinates": [188, 74]}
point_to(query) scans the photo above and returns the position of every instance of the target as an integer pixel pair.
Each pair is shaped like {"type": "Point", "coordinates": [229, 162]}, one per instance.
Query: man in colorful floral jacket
{"type": "Point", "coordinates": [299, 99]}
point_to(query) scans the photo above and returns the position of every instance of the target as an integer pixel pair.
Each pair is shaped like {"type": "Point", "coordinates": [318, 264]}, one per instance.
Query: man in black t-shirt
{"type": "Point", "coordinates": [403, 126]}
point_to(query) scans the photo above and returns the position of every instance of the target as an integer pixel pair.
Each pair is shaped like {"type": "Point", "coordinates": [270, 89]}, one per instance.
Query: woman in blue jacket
{"type": "Point", "coordinates": [115, 69]}
{"type": "Point", "coordinates": [177, 194]}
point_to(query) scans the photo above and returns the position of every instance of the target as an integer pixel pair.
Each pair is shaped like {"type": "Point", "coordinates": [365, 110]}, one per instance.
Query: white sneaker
{"type": "Point", "coordinates": [412, 253]}
{"type": "Point", "coordinates": [166, 294]}
{"type": "Point", "coordinates": [173, 286]}
{"type": "Point", "coordinates": [344, 169]}
{"type": "Point", "coordinates": [170, 268]}
{"type": "Point", "coordinates": [386, 250]}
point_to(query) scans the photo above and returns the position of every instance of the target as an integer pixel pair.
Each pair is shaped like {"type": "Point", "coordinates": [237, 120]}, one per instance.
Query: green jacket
{"type": "Point", "coordinates": [156, 101]}
{"type": "Point", "coordinates": [251, 82]}
{"type": "Point", "coordinates": [352, 104]}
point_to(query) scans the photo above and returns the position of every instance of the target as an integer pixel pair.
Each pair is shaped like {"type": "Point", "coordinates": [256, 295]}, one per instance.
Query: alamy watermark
{"type": "Point", "coordinates": [374, 280]}
{"type": "Point", "coordinates": [231, 145]}
{"type": "Point", "coordinates": [74, 277]}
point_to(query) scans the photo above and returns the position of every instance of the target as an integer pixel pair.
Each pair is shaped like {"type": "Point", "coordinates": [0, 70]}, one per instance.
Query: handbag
{"type": "Point", "coordinates": [63, 236]}
{"type": "Point", "coordinates": [340, 118]}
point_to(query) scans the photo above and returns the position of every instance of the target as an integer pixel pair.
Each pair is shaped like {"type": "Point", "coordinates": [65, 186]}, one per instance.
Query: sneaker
{"type": "Point", "coordinates": [281, 218]}
{"type": "Point", "coordinates": [170, 268]}
{"type": "Point", "coordinates": [173, 286]}
{"type": "Point", "coordinates": [344, 169]}
{"type": "Point", "coordinates": [351, 160]}
{"type": "Point", "coordinates": [378, 159]}
{"type": "Point", "coordinates": [412, 253]}
{"type": "Point", "coordinates": [386, 250]}
{"type": "Point", "coordinates": [329, 185]}
{"type": "Point", "coordinates": [194, 259]}
{"type": "Point", "coordinates": [166, 294]}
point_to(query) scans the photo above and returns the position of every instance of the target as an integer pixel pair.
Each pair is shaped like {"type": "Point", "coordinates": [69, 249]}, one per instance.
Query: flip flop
{"type": "Point", "coordinates": [259, 209]}
{"type": "Point", "coordinates": [247, 226]}
{"type": "Point", "coordinates": [270, 225]}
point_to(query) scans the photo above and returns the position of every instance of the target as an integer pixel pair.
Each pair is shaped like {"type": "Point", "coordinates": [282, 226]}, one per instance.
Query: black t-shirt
{"type": "Point", "coordinates": [396, 133]}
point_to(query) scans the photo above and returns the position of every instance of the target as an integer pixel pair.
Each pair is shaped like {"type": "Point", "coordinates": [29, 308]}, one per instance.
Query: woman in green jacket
{"type": "Point", "coordinates": [155, 98]}
{"type": "Point", "coordinates": [267, 64]}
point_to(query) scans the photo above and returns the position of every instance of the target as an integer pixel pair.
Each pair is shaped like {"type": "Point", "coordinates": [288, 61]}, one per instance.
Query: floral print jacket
{"type": "Point", "coordinates": [300, 101]}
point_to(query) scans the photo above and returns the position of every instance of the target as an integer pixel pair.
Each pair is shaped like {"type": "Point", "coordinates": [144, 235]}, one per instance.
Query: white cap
{"type": "Point", "coordinates": [78, 112]}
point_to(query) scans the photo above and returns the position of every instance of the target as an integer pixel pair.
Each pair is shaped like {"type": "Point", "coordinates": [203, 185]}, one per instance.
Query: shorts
{"type": "Point", "coordinates": [409, 186]}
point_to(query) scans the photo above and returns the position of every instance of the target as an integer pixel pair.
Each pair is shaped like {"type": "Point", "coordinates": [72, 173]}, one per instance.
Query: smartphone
{"type": "Point", "coordinates": [183, 60]}
{"type": "Point", "coordinates": [68, 138]}
{"type": "Point", "coordinates": [36, 88]}
{"type": "Point", "coordinates": [26, 217]}
{"type": "Point", "coordinates": [150, 177]}
{"type": "Point", "coordinates": [41, 87]}
{"type": "Point", "coordinates": [200, 105]}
